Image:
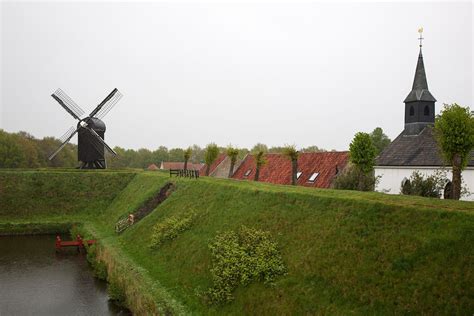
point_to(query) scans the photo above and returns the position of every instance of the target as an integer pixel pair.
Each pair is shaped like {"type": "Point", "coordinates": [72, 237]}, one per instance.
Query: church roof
{"type": "Point", "coordinates": [415, 150]}
{"type": "Point", "coordinates": [419, 91]}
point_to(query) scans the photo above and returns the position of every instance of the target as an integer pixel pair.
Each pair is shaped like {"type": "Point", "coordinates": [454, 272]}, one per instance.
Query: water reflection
{"type": "Point", "coordinates": [35, 280]}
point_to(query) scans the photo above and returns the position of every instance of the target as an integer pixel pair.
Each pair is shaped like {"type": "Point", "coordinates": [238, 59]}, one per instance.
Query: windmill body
{"type": "Point", "coordinates": [90, 130]}
{"type": "Point", "coordinates": [91, 156]}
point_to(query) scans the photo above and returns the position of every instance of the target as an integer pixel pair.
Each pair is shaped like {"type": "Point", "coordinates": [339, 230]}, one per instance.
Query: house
{"type": "Point", "coordinates": [214, 165]}
{"type": "Point", "coordinates": [314, 169]}
{"type": "Point", "coordinates": [415, 149]}
{"type": "Point", "coordinates": [152, 167]}
{"type": "Point", "coordinates": [222, 169]}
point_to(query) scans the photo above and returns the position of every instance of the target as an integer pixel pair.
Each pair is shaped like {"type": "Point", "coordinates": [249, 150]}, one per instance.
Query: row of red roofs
{"type": "Point", "coordinates": [314, 169]}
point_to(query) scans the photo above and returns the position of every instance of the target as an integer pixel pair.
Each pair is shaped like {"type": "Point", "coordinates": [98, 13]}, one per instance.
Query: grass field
{"type": "Point", "coordinates": [346, 252]}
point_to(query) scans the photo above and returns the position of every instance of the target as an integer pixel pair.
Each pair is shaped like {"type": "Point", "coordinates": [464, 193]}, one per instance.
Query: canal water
{"type": "Point", "coordinates": [35, 280]}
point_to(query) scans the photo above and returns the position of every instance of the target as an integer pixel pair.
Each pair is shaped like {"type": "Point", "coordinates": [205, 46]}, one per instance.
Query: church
{"type": "Point", "coordinates": [416, 149]}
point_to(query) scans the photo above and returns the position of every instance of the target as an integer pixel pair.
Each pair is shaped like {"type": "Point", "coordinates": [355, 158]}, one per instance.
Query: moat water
{"type": "Point", "coordinates": [35, 280]}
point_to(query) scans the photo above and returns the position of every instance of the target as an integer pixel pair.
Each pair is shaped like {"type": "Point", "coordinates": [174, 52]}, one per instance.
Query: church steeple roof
{"type": "Point", "coordinates": [419, 91]}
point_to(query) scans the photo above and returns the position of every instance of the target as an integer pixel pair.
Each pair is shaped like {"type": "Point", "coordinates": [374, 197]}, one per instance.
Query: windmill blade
{"type": "Point", "coordinates": [109, 149]}
{"type": "Point", "coordinates": [64, 139]}
{"type": "Point", "coordinates": [112, 98]}
{"type": "Point", "coordinates": [68, 104]}
{"type": "Point", "coordinates": [107, 107]}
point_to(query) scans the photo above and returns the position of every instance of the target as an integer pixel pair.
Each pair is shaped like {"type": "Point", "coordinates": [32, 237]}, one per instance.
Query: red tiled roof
{"type": "Point", "coordinates": [167, 165]}
{"type": "Point", "coordinates": [278, 168]}
{"type": "Point", "coordinates": [202, 170]}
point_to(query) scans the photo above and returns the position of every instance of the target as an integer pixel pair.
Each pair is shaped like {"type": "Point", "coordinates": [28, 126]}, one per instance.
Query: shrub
{"type": "Point", "coordinates": [171, 227]}
{"type": "Point", "coordinates": [429, 186]}
{"type": "Point", "coordinates": [353, 178]}
{"type": "Point", "coordinates": [239, 258]}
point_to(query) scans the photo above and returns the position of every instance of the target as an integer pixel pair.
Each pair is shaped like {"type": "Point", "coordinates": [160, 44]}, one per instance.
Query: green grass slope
{"type": "Point", "coordinates": [346, 252]}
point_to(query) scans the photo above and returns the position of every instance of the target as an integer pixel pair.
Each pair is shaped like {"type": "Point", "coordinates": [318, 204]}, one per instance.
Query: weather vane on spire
{"type": "Point", "coordinates": [420, 30]}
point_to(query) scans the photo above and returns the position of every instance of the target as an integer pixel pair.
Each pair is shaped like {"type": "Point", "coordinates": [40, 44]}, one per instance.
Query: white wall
{"type": "Point", "coordinates": [392, 178]}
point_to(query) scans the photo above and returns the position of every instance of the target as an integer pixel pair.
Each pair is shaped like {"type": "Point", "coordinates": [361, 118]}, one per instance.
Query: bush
{"type": "Point", "coordinates": [353, 178]}
{"type": "Point", "coordinates": [171, 227]}
{"type": "Point", "coordinates": [239, 258]}
{"type": "Point", "coordinates": [431, 186]}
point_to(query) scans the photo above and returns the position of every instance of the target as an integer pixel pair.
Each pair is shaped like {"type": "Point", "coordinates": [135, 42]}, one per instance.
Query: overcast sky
{"type": "Point", "coordinates": [288, 73]}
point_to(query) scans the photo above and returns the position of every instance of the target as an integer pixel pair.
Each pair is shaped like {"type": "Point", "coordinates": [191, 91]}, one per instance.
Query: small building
{"type": "Point", "coordinates": [152, 167]}
{"type": "Point", "coordinates": [314, 169]}
{"type": "Point", "coordinates": [213, 166]}
{"type": "Point", "coordinates": [222, 169]}
{"type": "Point", "coordinates": [416, 149]}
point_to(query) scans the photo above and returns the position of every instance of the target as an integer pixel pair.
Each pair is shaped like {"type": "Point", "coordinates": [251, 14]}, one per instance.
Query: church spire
{"type": "Point", "coordinates": [419, 91]}
{"type": "Point", "coordinates": [420, 103]}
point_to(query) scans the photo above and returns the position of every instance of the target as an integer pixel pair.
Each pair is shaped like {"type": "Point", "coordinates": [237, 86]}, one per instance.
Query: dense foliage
{"type": "Point", "coordinates": [362, 152]}
{"type": "Point", "coordinates": [353, 178]}
{"type": "Point", "coordinates": [170, 228]}
{"type": "Point", "coordinates": [211, 154]}
{"type": "Point", "coordinates": [421, 185]}
{"type": "Point", "coordinates": [22, 150]}
{"type": "Point", "coordinates": [240, 257]}
{"type": "Point", "coordinates": [454, 130]}
{"type": "Point", "coordinates": [379, 140]}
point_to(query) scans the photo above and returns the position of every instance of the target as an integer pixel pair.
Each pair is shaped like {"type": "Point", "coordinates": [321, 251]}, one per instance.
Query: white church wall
{"type": "Point", "coordinates": [392, 177]}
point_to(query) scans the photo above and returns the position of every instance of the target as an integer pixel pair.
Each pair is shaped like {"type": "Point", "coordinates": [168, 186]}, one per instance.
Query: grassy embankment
{"type": "Point", "coordinates": [346, 252]}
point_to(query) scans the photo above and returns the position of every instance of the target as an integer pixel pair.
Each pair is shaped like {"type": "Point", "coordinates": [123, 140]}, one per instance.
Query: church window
{"type": "Point", "coordinates": [298, 174]}
{"type": "Point", "coordinates": [412, 110]}
{"type": "Point", "coordinates": [427, 110]}
{"type": "Point", "coordinates": [247, 173]}
{"type": "Point", "coordinates": [448, 190]}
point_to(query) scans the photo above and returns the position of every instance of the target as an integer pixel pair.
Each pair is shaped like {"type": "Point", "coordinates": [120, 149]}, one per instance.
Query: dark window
{"type": "Point", "coordinates": [412, 110]}
{"type": "Point", "coordinates": [427, 110]}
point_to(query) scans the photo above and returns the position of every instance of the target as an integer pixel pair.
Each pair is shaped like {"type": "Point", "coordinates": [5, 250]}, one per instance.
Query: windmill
{"type": "Point", "coordinates": [90, 130]}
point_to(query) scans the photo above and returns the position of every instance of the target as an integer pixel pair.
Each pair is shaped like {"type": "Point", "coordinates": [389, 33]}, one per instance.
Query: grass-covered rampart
{"type": "Point", "coordinates": [345, 252]}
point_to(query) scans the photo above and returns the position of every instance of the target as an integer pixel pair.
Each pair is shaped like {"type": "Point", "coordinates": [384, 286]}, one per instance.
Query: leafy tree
{"type": "Point", "coordinates": [187, 154]}
{"type": "Point", "coordinates": [292, 154]}
{"type": "Point", "coordinates": [233, 154]}
{"type": "Point", "coordinates": [276, 149]}
{"type": "Point", "coordinates": [454, 130]}
{"type": "Point", "coordinates": [259, 162]}
{"type": "Point", "coordinates": [362, 155]}
{"type": "Point", "coordinates": [160, 154]}
{"type": "Point", "coordinates": [11, 154]}
{"type": "Point", "coordinates": [258, 148]}
{"type": "Point", "coordinates": [212, 151]}
{"type": "Point", "coordinates": [176, 154]}
{"type": "Point", "coordinates": [198, 153]}
{"type": "Point", "coordinates": [312, 149]}
{"type": "Point", "coordinates": [379, 139]}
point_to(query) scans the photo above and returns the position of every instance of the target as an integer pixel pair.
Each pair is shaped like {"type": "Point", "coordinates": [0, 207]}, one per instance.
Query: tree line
{"type": "Point", "coordinates": [23, 150]}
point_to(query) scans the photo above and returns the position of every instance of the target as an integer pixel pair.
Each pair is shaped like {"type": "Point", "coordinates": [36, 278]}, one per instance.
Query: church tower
{"type": "Point", "coordinates": [420, 103]}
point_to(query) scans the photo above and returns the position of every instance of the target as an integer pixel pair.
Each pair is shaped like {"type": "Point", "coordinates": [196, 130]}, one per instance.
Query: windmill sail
{"type": "Point", "coordinates": [111, 98]}
{"type": "Point", "coordinates": [68, 104]}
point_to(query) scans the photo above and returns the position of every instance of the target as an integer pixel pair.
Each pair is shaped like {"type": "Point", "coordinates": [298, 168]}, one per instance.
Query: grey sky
{"type": "Point", "coordinates": [304, 74]}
